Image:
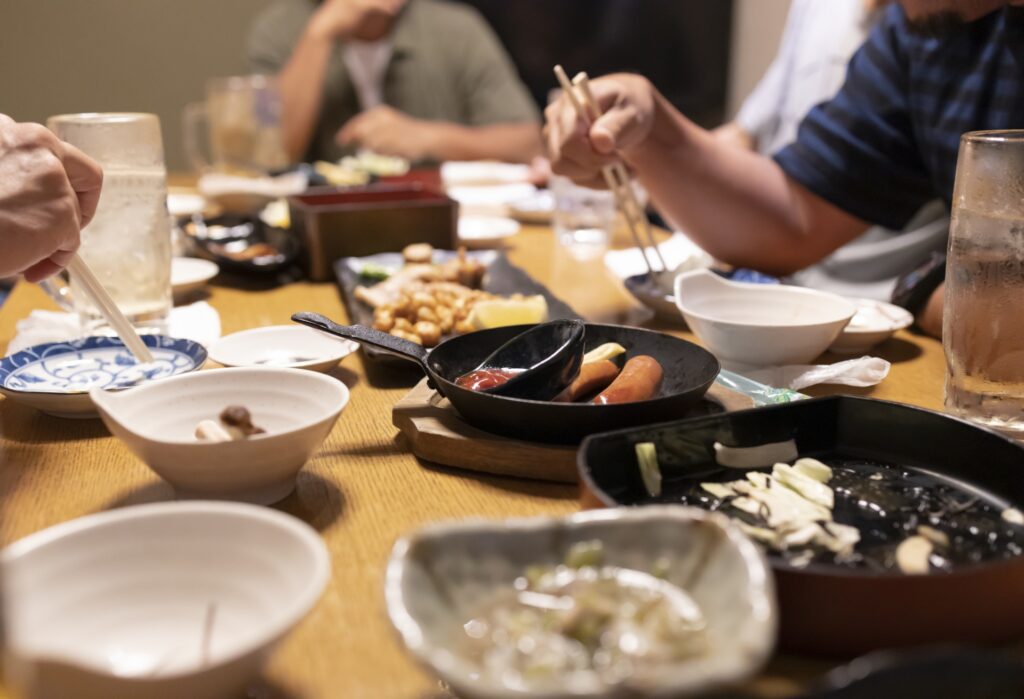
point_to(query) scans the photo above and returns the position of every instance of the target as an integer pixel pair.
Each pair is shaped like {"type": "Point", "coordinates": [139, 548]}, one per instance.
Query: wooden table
{"type": "Point", "coordinates": [363, 490]}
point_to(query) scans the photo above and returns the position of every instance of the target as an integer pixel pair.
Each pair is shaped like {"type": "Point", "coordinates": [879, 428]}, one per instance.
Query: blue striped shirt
{"type": "Point", "coordinates": [887, 142]}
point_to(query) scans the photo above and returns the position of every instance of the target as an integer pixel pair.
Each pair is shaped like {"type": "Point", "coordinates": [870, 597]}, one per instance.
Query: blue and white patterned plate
{"type": "Point", "coordinates": [56, 377]}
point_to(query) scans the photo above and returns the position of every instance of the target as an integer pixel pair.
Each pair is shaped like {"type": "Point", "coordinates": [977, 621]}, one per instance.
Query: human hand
{"type": "Point", "coordinates": [387, 131]}
{"type": "Point", "coordinates": [344, 19]}
{"type": "Point", "coordinates": [578, 149]}
{"type": "Point", "coordinates": [48, 192]}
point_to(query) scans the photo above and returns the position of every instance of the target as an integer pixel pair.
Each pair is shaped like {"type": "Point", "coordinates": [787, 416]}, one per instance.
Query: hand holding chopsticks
{"type": "Point", "coordinates": [109, 309]}
{"type": "Point", "coordinates": [617, 179]}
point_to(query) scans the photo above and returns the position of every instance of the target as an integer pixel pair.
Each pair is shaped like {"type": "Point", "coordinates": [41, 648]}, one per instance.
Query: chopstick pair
{"type": "Point", "coordinates": [109, 309]}
{"type": "Point", "coordinates": [615, 175]}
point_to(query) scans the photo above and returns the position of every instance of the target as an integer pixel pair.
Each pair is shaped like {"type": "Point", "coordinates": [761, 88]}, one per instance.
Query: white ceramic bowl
{"type": "Point", "coordinates": [438, 578]}
{"type": "Point", "coordinates": [168, 601]}
{"type": "Point", "coordinates": [760, 324]}
{"type": "Point", "coordinates": [292, 346]}
{"type": "Point", "coordinates": [157, 422]}
{"type": "Point", "coordinates": [486, 231]}
{"type": "Point", "coordinates": [874, 323]}
{"type": "Point", "coordinates": [190, 274]}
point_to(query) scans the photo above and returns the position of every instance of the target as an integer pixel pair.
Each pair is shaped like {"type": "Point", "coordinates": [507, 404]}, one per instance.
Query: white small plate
{"type": "Point", "coordinates": [179, 204]}
{"type": "Point", "coordinates": [189, 274]}
{"type": "Point", "coordinates": [287, 346]}
{"type": "Point", "coordinates": [873, 323]}
{"type": "Point", "coordinates": [480, 231]}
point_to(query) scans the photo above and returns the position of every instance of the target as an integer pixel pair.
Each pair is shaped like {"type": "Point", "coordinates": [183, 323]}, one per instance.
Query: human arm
{"type": "Point", "coordinates": [389, 132]}
{"type": "Point", "coordinates": [48, 192]}
{"type": "Point", "coordinates": [734, 134]}
{"type": "Point", "coordinates": [739, 206]}
{"type": "Point", "coordinates": [300, 57]}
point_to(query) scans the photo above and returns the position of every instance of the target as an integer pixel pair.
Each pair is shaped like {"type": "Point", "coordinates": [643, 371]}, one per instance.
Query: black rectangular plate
{"type": "Point", "coordinates": [502, 278]}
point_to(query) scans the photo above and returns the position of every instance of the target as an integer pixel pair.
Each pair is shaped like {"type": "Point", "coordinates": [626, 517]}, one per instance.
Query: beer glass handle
{"type": "Point", "coordinates": [58, 288]}
{"type": "Point", "coordinates": [195, 116]}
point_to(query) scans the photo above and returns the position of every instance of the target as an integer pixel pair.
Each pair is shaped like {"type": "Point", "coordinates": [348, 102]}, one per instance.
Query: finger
{"type": "Point", "coordinates": [43, 270]}
{"type": "Point", "coordinates": [86, 178]}
{"type": "Point", "coordinates": [610, 132]}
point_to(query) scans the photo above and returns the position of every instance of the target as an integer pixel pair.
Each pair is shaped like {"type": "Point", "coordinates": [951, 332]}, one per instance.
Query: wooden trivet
{"type": "Point", "coordinates": [436, 433]}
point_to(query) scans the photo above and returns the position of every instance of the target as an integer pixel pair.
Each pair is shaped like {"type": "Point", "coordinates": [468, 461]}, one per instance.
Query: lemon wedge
{"type": "Point", "coordinates": [608, 350]}
{"type": "Point", "coordinates": [499, 313]}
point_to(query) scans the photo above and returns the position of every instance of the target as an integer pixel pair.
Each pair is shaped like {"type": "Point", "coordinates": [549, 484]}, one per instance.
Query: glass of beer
{"type": "Point", "coordinates": [983, 333]}
{"type": "Point", "coordinates": [128, 242]}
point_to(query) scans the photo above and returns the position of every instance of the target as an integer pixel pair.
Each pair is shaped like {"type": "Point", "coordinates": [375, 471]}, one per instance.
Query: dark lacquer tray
{"type": "Point", "coordinates": [833, 609]}
{"type": "Point", "coordinates": [502, 278]}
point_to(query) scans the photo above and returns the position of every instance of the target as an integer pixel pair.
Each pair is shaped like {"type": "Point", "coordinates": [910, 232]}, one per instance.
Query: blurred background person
{"type": "Point", "coordinates": [820, 38]}
{"type": "Point", "coordinates": [419, 79]}
{"type": "Point", "coordinates": [48, 192]}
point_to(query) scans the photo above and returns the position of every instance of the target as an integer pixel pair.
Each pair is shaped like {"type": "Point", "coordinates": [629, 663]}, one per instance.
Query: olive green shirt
{"type": "Point", "coordinates": [447, 65]}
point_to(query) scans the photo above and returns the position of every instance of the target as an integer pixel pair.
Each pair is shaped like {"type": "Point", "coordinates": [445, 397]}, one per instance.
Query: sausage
{"type": "Point", "coordinates": [639, 380]}
{"type": "Point", "coordinates": [593, 377]}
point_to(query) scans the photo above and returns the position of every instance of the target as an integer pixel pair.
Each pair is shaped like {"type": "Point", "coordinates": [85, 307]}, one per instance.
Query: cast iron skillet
{"type": "Point", "coordinates": [827, 609]}
{"type": "Point", "coordinates": [689, 371]}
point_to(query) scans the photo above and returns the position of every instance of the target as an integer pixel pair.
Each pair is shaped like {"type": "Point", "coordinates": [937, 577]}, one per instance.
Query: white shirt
{"type": "Point", "coordinates": [367, 64]}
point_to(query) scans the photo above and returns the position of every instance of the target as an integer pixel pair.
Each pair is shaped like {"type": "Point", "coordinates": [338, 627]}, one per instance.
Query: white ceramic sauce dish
{"type": "Point", "coordinates": [181, 600]}
{"type": "Point", "coordinates": [874, 323]}
{"type": "Point", "coordinates": [158, 421]}
{"type": "Point", "coordinates": [438, 578]}
{"type": "Point", "coordinates": [291, 346]}
{"type": "Point", "coordinates": [190, 274]}
{"type": "Point", "coordinates": [760, 324]}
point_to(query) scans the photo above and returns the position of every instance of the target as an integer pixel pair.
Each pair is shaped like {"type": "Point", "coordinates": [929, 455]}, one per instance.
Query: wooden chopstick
{"type": "Point", "coordinates": [582, 80]}
{"type": "Point", "coordinates": [622, 197]}
{"type": "Point", "coordinates": [110, 310]}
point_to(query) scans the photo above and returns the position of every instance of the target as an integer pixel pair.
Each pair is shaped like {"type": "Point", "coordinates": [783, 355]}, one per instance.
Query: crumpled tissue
{"type": "Point", "coordinates": [198, 322]}
{"type": "Point", "coordinates": [860, 372]}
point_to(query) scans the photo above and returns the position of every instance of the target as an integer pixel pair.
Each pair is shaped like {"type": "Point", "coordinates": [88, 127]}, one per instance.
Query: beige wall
{"type": "Point", "coordinates": [153, 55]}
{"type": "Point", "coordinates": [118, 55]}
{"type": "Point", "coordinates": [757, 28]}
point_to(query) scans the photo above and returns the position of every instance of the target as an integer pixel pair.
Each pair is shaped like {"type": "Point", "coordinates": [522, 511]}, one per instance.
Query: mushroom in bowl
{"type": "Point", "coordinates": [657, 602]}
{"type": "Point", "coordinates": [229, 434]}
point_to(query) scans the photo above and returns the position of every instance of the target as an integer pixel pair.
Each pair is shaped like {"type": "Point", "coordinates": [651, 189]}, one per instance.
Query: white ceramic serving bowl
{"type": "Point", "coordinates": [760, 324]}
{"type": "Point", "coordinates": [874, 323]}
{"type": "Point", "coordinates": [286, 346]}
{"type": "Point", "coordinates": [438, 578]}
{"type": "Point", "coordinates": [117, 605]}
{"type": "Point", "coordinates": [190, 274]}
{"type": "Point", "coordinates": [157, 422]}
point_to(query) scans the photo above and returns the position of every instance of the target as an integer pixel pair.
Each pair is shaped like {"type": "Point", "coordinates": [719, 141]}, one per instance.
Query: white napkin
{"type": "Point", "coordinates": [680, 253]}
{"type": "Point", "coordinates": [213, 185]}
{"type": "Point", "coordinates": [198, 322]}
{"type": "Point", "coordinates": [862, 372]}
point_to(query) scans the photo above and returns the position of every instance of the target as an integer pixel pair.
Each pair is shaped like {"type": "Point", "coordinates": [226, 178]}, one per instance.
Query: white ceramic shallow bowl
{"type": "Point", "coordinates": [874, 323]}
{"type": "Point", "coordinates": [438, 578]}
{"type": "Point", "coordinates": [760, 324]}
{"type": "Point", "coordinates": [116, 605]}
{"type": "Point", "coordinates": [286, 346]}
{"type": "Point", "coordinates": [189, 274]}
{"type": "Point", "coordinates": [157, 422]}
{"type": "Point", "coordinates": [486, 231]}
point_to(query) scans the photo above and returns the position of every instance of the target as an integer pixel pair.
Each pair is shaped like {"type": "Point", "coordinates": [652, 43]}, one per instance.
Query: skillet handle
{"type": "Point", "coordinates": [367, 336]}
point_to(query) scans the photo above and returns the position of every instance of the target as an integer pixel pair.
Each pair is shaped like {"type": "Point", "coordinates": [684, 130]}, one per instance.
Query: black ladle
{"type": "Point", "coordinates": [549, 355]}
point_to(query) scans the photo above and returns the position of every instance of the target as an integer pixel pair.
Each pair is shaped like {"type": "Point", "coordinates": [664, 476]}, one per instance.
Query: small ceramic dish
{"type": "Point", "coordinates": [486, 231]}
{"type": "Point", "coordinates": [753, 325]}
{"type": "Point", "coordinates": [190, 274]}
{"type": "Point", "coordinates": [56, 377]}
{"type": "Point", "coordinates": [179, 600]}
{"type": "Point", "coordinates": [439, 578]}
{"type": "Point", "coordinates": [158, 422]}
{"type": "Point", "coordinates": [285, 346]}
{"type": "Point", "coordinates": [872, 324]}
